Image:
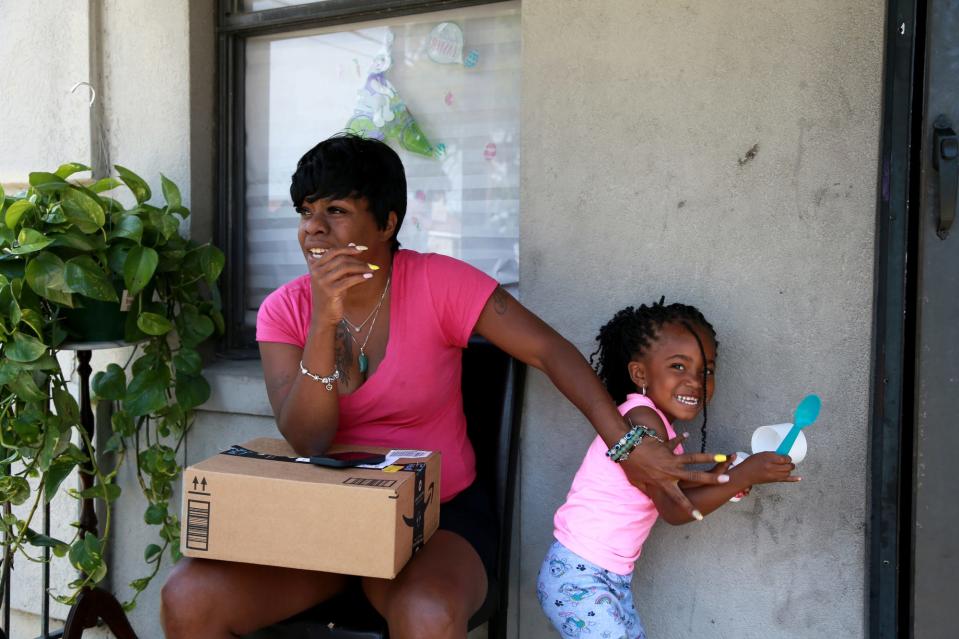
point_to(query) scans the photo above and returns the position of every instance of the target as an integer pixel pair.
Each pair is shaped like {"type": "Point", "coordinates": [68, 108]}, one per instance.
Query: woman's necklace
{"type": "Point", "coordinates": [364, 360]}
{"type": "Point", "coordinates": [358, 327]}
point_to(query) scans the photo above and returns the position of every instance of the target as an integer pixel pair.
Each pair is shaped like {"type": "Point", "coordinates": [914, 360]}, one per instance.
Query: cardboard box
{"type": "Point", "coordinates": [262, 507]}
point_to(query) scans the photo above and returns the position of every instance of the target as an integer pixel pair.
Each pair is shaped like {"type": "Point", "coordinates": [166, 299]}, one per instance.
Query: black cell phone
{"type": "Point", "coordinates": [347, 459]}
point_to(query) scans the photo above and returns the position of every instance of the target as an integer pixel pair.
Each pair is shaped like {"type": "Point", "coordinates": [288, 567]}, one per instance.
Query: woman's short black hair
{"type": "Point", "coordinates": [347, 165]}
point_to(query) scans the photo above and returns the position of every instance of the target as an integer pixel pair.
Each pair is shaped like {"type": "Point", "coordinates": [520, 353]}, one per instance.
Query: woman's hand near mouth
{"type": "Point", "coordinates": [332, 274]}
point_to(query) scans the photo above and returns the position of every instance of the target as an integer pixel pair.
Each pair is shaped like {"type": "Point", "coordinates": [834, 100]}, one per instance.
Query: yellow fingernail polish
{"type": "Point", "coordinates": [720, 458]}
{"type": "Point", "coordinates": [373, 267]}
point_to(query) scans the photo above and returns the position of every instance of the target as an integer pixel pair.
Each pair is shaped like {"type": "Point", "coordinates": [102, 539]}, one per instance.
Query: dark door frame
{"type": "Point", "coordinates": [889, 549]}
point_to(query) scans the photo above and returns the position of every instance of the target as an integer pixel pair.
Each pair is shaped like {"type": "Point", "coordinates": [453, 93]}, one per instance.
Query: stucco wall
{"type": "Point", "coordinates": [41, 123]}
{"type": "Point", "coordinates": [637, 120]}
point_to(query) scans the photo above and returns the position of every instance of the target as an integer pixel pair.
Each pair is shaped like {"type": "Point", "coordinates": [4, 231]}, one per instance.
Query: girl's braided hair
{"type": "Point", "coordinates": [628, 335]}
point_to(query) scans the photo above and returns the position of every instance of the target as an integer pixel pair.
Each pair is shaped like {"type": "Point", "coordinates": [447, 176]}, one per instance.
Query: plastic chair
{"type": "Point", "coordinates": [492, 400]}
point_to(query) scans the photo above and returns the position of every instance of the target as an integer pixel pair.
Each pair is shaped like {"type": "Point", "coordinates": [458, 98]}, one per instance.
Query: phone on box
{"type": "Point", "coordinates": [347, 459]}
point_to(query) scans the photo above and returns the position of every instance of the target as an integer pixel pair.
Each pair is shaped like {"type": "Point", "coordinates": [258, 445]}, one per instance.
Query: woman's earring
{"type": "Point", "coordinates": [644, 389]}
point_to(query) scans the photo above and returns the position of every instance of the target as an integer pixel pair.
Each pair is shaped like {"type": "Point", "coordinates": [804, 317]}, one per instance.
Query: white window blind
{"type": "Point", "coordinates": [463, 200]}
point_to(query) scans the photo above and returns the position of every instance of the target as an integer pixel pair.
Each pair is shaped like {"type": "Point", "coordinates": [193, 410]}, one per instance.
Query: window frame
{"type": "Point", "coordinates": [234, 27]}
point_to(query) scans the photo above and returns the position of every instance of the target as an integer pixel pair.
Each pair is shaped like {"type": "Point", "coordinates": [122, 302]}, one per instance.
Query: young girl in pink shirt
{"type": "Point", "coordinates": [658, 363]}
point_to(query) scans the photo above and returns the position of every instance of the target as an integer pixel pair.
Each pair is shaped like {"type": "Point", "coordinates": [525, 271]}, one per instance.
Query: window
{"type": "Point", "coordinates": [449, 79]}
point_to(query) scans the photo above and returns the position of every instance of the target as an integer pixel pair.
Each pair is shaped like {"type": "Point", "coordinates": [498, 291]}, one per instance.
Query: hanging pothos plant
{"type": "Point", "coordinates": [69, 250]}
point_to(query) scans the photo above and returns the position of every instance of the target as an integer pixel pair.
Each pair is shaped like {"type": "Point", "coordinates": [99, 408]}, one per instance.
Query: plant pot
{"type": "Point", "coordinates": [95, 321]}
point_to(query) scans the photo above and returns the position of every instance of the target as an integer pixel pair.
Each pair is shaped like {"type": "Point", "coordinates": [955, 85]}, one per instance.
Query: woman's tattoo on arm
{"type": "Point", "coordinates": [344, 354]}
{"type": "Point", "coordinates": [500, 299]}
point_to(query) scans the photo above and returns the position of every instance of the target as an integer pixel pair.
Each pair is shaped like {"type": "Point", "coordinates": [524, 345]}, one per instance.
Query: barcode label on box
{"type": "Point", "coordinates": [363, 481]}
{"type": "Point", "coordinates": [198, 524]}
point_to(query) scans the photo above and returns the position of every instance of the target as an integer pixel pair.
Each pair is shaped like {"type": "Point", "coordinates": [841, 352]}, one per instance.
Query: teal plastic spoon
{"type": "Point", "coordinates": [806, 413]}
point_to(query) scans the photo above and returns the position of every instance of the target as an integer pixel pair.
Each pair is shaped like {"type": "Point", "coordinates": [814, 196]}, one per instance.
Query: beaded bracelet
{"type": "Point", "coordinates": [621, 449]}
{"type": "Point", "coordinates": [317, 378]}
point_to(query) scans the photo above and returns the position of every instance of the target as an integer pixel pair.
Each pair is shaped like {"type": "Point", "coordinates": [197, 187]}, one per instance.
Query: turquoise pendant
{"type": "Point", "coordinates": [364, 362]}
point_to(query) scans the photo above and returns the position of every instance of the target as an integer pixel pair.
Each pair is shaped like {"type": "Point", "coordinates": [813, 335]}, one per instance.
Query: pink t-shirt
{"type": "Point", "coordinates": [414, 398]}
{"type": "Point", "coordinates": [605, 518]}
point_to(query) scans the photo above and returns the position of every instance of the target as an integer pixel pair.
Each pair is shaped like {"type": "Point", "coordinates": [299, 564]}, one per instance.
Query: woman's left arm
{"type": "Point", "coordinates": [514, 329]}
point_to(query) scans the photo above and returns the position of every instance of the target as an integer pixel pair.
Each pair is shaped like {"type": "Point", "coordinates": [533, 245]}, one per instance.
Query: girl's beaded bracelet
{"type": "Point", "coordinates": [621, 449]}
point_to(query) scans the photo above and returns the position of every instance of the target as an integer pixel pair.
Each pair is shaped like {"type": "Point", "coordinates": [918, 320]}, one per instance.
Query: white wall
{"type": "Point", "coordinates": [41, 123]}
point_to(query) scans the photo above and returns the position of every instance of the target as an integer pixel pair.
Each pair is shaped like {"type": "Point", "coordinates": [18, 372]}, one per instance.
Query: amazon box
{"type": "Point", "coordinates": [259, 503]}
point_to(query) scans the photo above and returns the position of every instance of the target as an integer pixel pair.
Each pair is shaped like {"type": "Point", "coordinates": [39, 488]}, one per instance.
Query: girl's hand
{"type": "Point", "coordinates": [766, 468]}
{"type": "Point", "coordinates": [332, 275]}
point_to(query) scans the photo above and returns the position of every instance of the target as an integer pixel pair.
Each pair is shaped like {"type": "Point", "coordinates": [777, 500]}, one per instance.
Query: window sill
{"type": "Point", "coordinates": [237, 388]}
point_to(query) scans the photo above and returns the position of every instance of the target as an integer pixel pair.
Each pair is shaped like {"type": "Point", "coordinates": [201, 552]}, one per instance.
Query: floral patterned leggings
{"type": "Point", "coordinates": [584, 600]}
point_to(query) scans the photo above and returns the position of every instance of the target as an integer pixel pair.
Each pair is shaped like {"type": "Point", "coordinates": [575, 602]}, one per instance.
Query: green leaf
{"type": "Point", "coordinates": [168, 226]}
{"type": "Point", "coordinates": [8, 371]}
{"type": "Point", "coordinates": [34, 320]}
{"type": "Point", "coordinates": [155, 514]}
{"type": "Point", "coordinates": [188, 361]}
{"type": "Point", "coordinates": [30, 241]}
{"type": "Point", "coordinates": [139, 267]}
{"type": "Point", "coordinates": [83, 210]}
{"type": "Point", "coordinates": [25, 348]}
{"type": "Point", "coordinates": [105, 184]}
{"type": "Point", "coordinates": [7, 236]}
{"type": "Point", "coordinates": [50, 437]}
{"type": "Point", "coordinates": [17, 210]}
{"type": "Point", "coordinates": [136, 184]}
{"type": "Point", "coordinates": [109, 492]}
{"type": "Point", "coordinates": [86, 555]}
{"type": "Point", "coordinates": [47, 182]}
{"type": "Point", "coordinates": [42, 541]}
{"type": "Point", "coordinates": [113, 444]}
{"type": "Point", "coordinates": [86, 277]}
{"type": "Point", "coordinates": [68, 169]}
{"type": "Point", "coordinates": [170, 259]}
{"type": "Point", "coordinates": [139, 585]}
{"type": "Point", "coordinates": [192, 327]}
{"type": "Point", "coordinates": [54, 214]}
{"type": "Point", "coordinates": [16, 490]}
{"type": "Point", "coordinates": [66, 405]}
{"type": "Point", "coordinates": [147, 391]}
{"type": "Point", "coordinates": [153, 324]}
{"type": "Point", "coordinates": [211, 262]}
{"type": "Point", "coordinates": [110, 384]}
{"type": "Point", "coordinates": [60, 469]}
{"type": "Point", "coordinates": [73, 238]}
{"type": "Point", "coordinates": [170, 193]}
{"type": "Point", "coordinates": [24, 387]}
{"type": "Point", "coordinates": [13, 311]}
{"type": "Point", "coordinates": [129, 226]}
{"type": "Point", "coordinates": [152, 553]}
{"type": "Point", "coordinates": [45, 275]}
{"type": "Point", "coordinates": [191, 391]}
{"type": "Point", "coordinates": [117, 256]}
{"type": "Point", "coordinates": [122, 423]}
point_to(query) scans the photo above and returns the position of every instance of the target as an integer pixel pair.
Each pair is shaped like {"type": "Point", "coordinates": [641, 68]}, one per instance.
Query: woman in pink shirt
{"type": "Point", "coordinates": [659, 362]}
{"type": "Point", "coordinates": [366, 349]}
